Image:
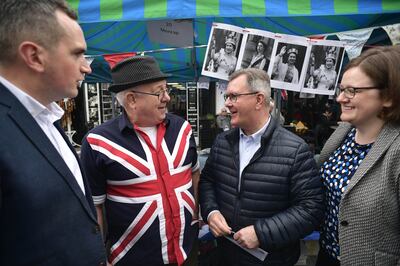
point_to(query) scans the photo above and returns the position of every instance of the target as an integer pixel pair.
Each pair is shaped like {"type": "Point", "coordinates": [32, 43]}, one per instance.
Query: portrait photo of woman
{"type": "Point", "coordinates": [323, 68]}
{"type": "Point", "coordinates": [286, 71]}
{"type": "Point", "coordinates": [222, 52]}
{"type": "Point", "coordinates": [257, 52]}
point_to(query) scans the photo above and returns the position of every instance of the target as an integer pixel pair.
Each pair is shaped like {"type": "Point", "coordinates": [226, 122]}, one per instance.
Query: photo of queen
{"type": "Point", "coordinates": [324, 77]}
{"type": "Point", "coordinates": [286, 72]}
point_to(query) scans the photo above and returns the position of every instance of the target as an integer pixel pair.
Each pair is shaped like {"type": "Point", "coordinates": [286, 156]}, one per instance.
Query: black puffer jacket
{"type": "Point", "coordinates": [280, 192]}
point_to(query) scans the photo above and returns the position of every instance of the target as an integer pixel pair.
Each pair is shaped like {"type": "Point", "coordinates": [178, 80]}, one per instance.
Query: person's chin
{"type": "Point", "coordinates": [345, 118]}
{"type": "Point", "coordinates": [234, 123]}
{"type": "Point", "coordinates": [72, 93]}
{"type": "Point", "coordinates": [162, 117]}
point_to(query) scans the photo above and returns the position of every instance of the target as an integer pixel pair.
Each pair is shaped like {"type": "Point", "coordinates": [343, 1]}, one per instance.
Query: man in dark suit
{"type": "Point", "coordinates": [47, 215]}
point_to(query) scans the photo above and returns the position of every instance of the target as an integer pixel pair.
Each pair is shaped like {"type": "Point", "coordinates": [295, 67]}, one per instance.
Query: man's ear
{"type": "Point", "coordinates": [260, 100]}
{"type": "Point", "coordinates": [33, 55]}
{"type": "Point", "coordinates": [130, 99]}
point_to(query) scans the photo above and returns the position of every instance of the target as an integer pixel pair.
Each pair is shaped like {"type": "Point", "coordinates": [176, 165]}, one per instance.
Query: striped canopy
{"type": "Point", "coordinates": [117, 26]}
{"type": "Point", "coordinates": [126, 10]}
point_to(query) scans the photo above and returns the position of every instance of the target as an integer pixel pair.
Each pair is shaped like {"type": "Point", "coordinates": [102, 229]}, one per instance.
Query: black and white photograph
{"type": "Point", "coordinates": [258, 46]}
{"type": "Point", "coordinates": [222, 51]}
{"type": "Point", "coordinates": [294, 63]}
{"type": "Point", "coordinates": [92, 95]}
{"type": "Point", "coordinates": [220, 91]}
{"type": "Point", "coordinates": [324, 64]}
{"type": "Point", "coordinates": [289, 62]}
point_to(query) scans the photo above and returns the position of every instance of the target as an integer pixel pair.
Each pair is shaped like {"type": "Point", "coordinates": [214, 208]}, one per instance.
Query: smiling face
{"type": "Point", "coordinates": [242, 111]}
{"type": "Point", "coordinates": [363, 109]}
{"type": "Point", "coordinates": [65, 64]}
{"type": "Point", "coordinates": [292, 58]}
{"type": "Point", "coordinates": [149, 110]}
{"type": "Point", "coordinates": [229, 48]}
{"type": "Point", "coordinates": [329, 63]}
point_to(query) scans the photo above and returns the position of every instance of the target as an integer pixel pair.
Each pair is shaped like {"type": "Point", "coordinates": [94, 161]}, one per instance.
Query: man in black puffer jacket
{"type": "Point", "coordinates": [260, 182]}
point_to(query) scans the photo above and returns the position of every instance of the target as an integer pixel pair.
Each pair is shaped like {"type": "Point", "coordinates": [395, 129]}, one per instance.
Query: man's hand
{"type": "Point", "coordinates": [218, 225]}
{"type": "Point", "coordinates": [246, 237]}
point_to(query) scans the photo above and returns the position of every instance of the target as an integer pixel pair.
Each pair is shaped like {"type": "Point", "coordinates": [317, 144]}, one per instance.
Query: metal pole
{"type": "Point", "coordinates": [194, 56]}
{"type": "Point", "coordinates": [278, 103]}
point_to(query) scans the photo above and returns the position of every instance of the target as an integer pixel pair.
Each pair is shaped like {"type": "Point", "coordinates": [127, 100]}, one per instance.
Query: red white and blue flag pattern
{"type": "Point", "coordinates": [161, 183]}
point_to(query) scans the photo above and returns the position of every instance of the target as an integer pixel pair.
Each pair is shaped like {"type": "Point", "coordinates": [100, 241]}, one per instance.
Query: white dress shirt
{"type": "Point", "coordinates": [248, 145]}
{"type": "Point", "coordinates": [45, 116]}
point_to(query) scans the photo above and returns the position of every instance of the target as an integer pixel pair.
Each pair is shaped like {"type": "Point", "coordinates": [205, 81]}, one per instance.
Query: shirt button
{"type": "Point", "coordinates": [344, 223]}
{"type": "Point", "coordinates": [96, 229]}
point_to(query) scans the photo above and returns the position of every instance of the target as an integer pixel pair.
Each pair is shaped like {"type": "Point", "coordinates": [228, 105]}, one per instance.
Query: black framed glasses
{"type": "Point", "coordinates": [234, 96]}
{"type": "Point", "coordinates": [350, 92]}
{"type": "Point", "coordinates": [160, 94]}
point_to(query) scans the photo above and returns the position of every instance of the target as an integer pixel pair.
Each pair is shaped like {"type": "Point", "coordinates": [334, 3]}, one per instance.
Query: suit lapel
{"type": "Point", "coordinates": [334, 142]}
{"type": "Point", "coordinates": [38, 138]}
{"type": "Point", "coordinates": [381, 145]}
{"type": "Point", "coordinates": [88, 204]}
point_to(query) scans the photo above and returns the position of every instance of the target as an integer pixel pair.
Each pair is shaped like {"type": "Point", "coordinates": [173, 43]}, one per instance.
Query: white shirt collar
{"type": "Point", "coordinates": [34, 107]}
{"type": "Point", "coordinates": [257, 135]}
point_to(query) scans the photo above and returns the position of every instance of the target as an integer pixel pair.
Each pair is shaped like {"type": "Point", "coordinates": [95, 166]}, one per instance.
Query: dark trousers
{"type": "Point", "coordinates": [325, 260]}
{"type": "Point", "coordinates": [191, 260]}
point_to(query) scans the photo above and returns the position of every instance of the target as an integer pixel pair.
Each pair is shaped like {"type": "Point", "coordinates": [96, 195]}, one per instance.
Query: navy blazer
{"type": "Point", "coordinates": [45, 219]}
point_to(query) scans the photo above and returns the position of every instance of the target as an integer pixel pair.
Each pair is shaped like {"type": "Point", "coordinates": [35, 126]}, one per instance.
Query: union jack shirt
{"type": "Point", "coordinates": [147, 191]}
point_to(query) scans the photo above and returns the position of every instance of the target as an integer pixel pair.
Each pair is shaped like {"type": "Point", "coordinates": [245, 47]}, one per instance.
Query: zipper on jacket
{"type": "Point", "coordinates": [235, 213]}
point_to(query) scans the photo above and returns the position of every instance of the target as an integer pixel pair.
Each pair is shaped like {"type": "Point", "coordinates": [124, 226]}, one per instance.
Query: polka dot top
{"type": "Point", "coordinates": [336, 174]}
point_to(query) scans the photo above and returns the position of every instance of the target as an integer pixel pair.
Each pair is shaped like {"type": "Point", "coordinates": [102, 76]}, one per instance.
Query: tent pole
{"type": "Point", "coordinates": [278, 102]}
{"type": "Point", "coordinates": [276, 112]}
{"type": "Point", "coordinates": [194, 56]}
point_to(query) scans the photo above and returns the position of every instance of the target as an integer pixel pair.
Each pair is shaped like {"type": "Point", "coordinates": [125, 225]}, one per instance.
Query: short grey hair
{"type": "Point", "coordinates": [257, 80]}
{"type": "Point", "coordinates": [30, 20]}
{"type": "Point", "coordinates": [121, 97]}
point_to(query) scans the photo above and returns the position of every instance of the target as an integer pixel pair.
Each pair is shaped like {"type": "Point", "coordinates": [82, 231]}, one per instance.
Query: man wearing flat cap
{"type": "Point", "coordinates": [143, 171]}
{"type": "Point", "coordinates": [286, 72]}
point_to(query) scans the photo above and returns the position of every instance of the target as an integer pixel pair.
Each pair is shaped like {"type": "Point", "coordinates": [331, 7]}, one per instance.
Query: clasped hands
{"type": "Point", "coordinates": [245, 237]}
